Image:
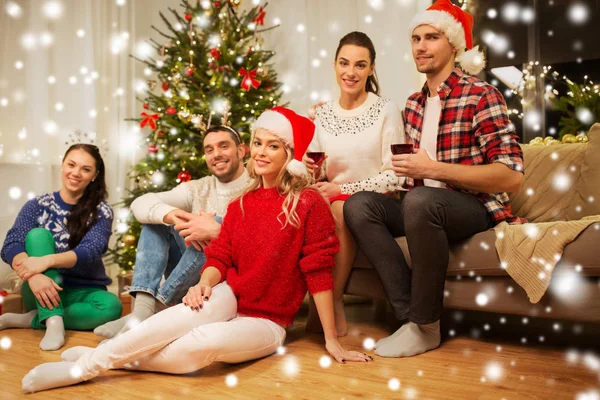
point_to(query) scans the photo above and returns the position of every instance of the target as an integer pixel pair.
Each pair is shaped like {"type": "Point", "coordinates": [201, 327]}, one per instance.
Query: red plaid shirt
{"type": "Point", "coordinates": [474, 129]}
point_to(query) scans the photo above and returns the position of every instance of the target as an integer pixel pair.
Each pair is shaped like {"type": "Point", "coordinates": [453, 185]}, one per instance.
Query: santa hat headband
{"type": "Point", "coordinates": [297, 132]}
{"type": "Point", "coordinates": [457, 25]}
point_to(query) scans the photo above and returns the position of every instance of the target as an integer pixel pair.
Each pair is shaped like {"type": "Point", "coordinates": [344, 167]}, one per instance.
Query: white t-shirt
{"type": "Point", "coordinates": [357, 144]}
{"type": "Point", "coordinates": [431, 121]}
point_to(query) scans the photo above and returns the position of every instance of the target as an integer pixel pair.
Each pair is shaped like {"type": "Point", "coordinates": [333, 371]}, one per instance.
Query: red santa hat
{"type": "Point", "coordinates": [295, 130]}
{"type": "Point", "coordinates": [457, 25]}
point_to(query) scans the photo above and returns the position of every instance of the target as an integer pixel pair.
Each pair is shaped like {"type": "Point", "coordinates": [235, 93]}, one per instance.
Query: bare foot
{"type": "Point", "coordinates": [313, 323]}
{"type": "Point", "coordinates": [340, 318]}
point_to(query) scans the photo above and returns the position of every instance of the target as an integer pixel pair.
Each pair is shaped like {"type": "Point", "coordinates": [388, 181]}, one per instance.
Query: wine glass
{"type": "Point", "coordinates": [401, 148]}
{"type": "Point", "coordinates": [316, 156]}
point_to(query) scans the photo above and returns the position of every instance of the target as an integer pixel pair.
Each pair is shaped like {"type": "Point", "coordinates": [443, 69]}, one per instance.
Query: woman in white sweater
{"type": "Point", "coordinates": [355, 133]}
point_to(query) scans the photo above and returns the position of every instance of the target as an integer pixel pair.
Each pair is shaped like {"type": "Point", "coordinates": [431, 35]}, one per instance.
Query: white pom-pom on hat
{"type": "Point", "coordinates": [297, 168]}
{"type": "Point", "coordinates": [472, 61]}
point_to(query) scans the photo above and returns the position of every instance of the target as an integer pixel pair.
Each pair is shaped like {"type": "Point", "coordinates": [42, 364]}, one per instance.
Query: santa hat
{"type": "Point", "coordinates": [457, 25]}
{"type": "Point", "coordinates": [295, 130]}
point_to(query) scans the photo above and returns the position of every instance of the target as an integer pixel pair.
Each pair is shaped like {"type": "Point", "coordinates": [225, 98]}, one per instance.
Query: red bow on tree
{"type": "Point", "coordinates": [249, 79]}
{"type": "Point", "coordinates": [260, 18]}
{"type": "Point", "coordinates": [149, 119]}
{"type": "Point", "coordinates": [215, 53]}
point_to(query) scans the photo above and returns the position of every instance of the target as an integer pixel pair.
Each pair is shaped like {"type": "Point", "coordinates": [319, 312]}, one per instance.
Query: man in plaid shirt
{"type": "Point", "coordinates": [466, 158]}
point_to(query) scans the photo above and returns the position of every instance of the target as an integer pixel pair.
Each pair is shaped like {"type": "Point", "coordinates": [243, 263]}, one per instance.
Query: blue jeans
{"type": "Point", "coordinates": [161, 251]}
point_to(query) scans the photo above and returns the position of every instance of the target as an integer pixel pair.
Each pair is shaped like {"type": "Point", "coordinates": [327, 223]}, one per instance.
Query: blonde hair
{"type": "Point", "coordinates": [291, 186]}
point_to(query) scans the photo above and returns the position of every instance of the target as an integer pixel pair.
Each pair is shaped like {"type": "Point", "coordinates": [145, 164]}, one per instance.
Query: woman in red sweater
{"type": "Point", "coordinates": [277, 240]}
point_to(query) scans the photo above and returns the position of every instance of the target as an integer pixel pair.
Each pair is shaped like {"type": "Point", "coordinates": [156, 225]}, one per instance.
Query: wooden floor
{"type": "Point", "coordinates": [462, 368]}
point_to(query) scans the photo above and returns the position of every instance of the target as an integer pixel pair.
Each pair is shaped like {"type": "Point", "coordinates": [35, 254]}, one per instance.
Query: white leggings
{"type": "Point", "coordinates": [179, 340]}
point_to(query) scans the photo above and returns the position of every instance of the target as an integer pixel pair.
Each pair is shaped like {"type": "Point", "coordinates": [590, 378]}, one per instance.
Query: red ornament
{"type": "Point", "coordinates": [215, 53]}
{"type": "Point", "coordinates": [146, 106]}
{"type": "Point", "coordinates": [148, 119]}
{"type": "Point", "coordinates": [165, 86]}
{"type": "Point", "coordinates": [188, 17]}
{"type": "Point", "coordinates": [249, 79]}
{"type": "Point", "coordinates": [260, 18]}
{"type": "Point", "coordinates": [171, 110]}
{"type": "Point", "coordinates": [152, 149]}
{"type": "Point", "coordinates": [160, 133]}
{"type": "Point", "coordinates": [189, 71]}
{"type": "Point", "coordinates": [184, 176]}
{"type": "Point", "coordinates": [217, 4]}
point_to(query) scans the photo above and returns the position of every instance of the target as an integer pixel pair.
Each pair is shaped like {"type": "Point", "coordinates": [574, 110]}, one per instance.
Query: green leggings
{"type": "Point", "coordinates": [81, 309]}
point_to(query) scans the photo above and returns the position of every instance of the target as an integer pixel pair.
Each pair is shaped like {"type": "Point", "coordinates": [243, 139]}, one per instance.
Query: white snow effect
{"type": "Point", "coordinates": [482, 299]}
{"type": "Point", "coordinates": [494, 371]}
{"type": "Point", "coordinates": [231, 380]}
{"type": "Point", "coordinates": [291, 367]}
{"type": "Point", "coordinates": [325, 361]}
{"type": "Point", "coordinates": [394, 384]}
{"type": "Point", "coordinates": [5, 343]}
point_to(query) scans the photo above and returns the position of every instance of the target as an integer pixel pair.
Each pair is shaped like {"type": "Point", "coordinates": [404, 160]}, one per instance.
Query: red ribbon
{"type": "Point", "coordinates": [260, 19]}
{"type": "Point", "coordinates": [249, 79]}
{"type": "Point", "coordinates": [2, 294]}
{"type": "Point", "coordinates": [149, 119]}
{"type": "Point", "coordinates": [215, 53]}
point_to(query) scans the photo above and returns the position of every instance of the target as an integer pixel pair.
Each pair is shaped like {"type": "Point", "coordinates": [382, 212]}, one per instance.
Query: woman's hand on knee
{"type": "Point", "coordinates": [197, 295]}
{"type": "Point", "coordinates": [45, 291]}
{"type": "Point", "coordinates": [32, 266]}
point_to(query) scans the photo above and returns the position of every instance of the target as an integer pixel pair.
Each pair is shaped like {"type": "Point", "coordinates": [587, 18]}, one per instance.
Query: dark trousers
{"type": "Point", "coordinates": [431, 219]}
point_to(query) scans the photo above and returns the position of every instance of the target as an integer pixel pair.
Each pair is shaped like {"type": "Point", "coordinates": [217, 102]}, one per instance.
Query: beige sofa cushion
{"type": "Point", "coordinates": [562, 182]}
{"type": "Point", "coordinates": [477, 255]}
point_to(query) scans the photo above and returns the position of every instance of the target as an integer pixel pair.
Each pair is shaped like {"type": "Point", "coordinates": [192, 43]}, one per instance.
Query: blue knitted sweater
{"type": "Point", "coordinates": [49, 211]}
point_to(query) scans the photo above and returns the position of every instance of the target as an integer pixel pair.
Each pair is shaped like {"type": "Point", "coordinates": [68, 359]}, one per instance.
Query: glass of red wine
{"type": "Point", "coordinates": [401, 148]}
{"type": "Point", "coordinates": [316, 156]}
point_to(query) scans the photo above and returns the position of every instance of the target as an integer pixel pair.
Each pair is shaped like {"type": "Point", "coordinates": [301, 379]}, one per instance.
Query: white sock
{"type": "Point", "coordinates": [110, 329]}
{"type": "Point", "coordinates": [11, 320]}
{"type": "Point", "coordinates": [415, 339]}
{"type": "Point", "coordinates": [51, 375]}
{"type": "Point", "coordinates": [144, 307]}
{"type": "Point", "coordinates": [54, 338]}
{"type": "Point", "coordinates": [384, 340]}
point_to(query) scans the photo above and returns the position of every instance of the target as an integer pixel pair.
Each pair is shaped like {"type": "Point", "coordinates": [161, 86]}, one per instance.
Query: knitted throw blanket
{"type": "Point", "coordinates": [529, 252]}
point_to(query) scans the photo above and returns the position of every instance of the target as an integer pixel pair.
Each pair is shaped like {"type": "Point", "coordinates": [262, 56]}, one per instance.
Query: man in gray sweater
{"type": "Point", "coordinates": [177, 225]}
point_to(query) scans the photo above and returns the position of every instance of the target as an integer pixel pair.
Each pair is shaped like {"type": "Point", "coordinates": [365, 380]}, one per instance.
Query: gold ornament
{"type": "Point", "coordinates": [569, 138]}
{"type": "Point", "coordinates": [552, 142]}
{"type": "Point", "coordinates": [151, 84]}
{"type": "Point", "coordinates": [185, 115]}
{"type": "Point", "coordinates": [235, 3]}
{"type": "Point", "coordinates": [176, 78]}
{"type": "Point", "coordinates": [582, 138]}
{"type": "Point", "coordinates": [536, 141]}
{"type": "Point", "coordinates": [128, 239]}
{"type": "Point", "coordinates": [548, 139]}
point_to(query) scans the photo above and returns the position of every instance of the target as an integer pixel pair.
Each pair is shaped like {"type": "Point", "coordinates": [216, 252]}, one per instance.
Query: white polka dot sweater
{"type": "Point", "coordinates": [357, 144]}
{"type": "Point", "coordinates": [49, 211]}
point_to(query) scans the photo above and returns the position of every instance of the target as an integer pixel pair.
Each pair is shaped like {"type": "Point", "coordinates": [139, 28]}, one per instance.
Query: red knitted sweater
{"type": "Point", "coordinates": [270, 268]}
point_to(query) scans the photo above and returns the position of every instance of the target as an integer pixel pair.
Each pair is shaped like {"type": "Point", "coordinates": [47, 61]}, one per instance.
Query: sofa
{"type": "Point", "coordinates": [474, 266]}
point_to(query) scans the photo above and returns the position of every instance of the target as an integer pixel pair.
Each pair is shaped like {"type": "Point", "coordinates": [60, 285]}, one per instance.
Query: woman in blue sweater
{"type": "Point", "coordinates": [56, 246]}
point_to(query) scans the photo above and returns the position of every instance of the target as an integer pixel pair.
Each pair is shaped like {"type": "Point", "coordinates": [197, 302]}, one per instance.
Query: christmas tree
{"type": "Point", "coordinates": [211, 69]}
